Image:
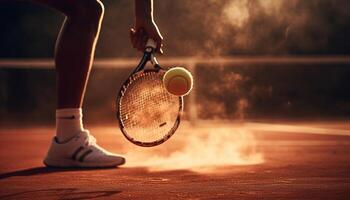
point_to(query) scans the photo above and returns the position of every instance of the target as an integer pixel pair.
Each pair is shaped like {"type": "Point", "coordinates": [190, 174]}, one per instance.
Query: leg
{"type": "Point", "coordinates": [73, 59]}
{"type": "Point", "coordinates": [75, 51]}
{"type": "Point", "coordinates": [75, 47]}
{"type": "Point", "coordinates": [73, 146]}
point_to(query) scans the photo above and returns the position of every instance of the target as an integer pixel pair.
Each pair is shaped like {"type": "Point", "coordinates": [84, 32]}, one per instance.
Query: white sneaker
{"type": "Point", "coordinates": [81, 151]}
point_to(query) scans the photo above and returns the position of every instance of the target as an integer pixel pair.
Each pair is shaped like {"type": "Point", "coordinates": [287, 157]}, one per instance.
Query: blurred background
{"type": "Point", "coordinates": [252, 59]}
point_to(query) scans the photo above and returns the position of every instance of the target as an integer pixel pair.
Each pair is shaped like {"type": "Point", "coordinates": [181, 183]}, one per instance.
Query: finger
{"type": "Point", "coordinates": [133, 37]}
{"type": "Point", "coordinates": [159, 42]}
{"type": "Point", "coordinates": [161, 50]}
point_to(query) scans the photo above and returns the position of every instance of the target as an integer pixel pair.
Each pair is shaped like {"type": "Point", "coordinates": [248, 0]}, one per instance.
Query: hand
{"type": "Point", "coordinates": [143, 30]}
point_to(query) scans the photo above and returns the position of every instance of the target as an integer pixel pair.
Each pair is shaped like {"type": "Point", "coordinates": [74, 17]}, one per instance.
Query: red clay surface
{"type": "Point", "coordinates": [295, 166]}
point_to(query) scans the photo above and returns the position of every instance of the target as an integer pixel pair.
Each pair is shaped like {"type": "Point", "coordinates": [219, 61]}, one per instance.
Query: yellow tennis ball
{"type": "Point", "coordinates": [178, 81]}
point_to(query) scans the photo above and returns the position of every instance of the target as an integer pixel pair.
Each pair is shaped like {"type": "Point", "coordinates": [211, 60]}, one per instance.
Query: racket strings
{"type": "Point", "coordinates": [148, 112]}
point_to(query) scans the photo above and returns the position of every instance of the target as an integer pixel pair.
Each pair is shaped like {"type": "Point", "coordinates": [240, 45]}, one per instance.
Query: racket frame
{"type": "Point", "coordinates": [148, 56]}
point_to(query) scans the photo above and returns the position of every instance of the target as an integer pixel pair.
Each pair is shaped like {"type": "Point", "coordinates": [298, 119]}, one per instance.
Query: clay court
{"type": "Point", "coordinates": [254, 161]}
{"type": "Point", "coordinates": [218, 152]}
{"type": "Point", "coordinates": [268, 116]}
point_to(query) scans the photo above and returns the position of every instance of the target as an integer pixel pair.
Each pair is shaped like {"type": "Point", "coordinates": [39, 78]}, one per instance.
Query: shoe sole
{"type": "Point", "coordinates": [76, 164]}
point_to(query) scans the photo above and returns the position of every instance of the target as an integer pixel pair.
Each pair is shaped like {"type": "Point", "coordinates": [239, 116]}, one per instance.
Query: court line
{"type": "Point", "coordinates": [295, 129]}
{"type": "Point", "coordinates": [288, 143]}
{"type": "Point", "coordinates": [269, 127]}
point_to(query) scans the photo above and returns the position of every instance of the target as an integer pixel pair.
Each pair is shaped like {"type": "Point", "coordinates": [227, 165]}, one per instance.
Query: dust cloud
{"type": "Point", "coordinates": [199, 149]}
{"type": "Point", "coordinates": [228, 96]}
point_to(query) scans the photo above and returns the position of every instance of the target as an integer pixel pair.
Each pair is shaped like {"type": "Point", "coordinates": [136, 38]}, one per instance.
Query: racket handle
{"type": "Point", "coordinates": [151, 44]}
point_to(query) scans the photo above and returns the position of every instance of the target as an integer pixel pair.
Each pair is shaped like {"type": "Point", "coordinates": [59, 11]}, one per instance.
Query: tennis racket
{"type": "Point", "coordinates": [148, 115]}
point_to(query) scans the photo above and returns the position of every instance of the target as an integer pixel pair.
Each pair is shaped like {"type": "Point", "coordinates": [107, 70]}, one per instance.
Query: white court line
{"type": "Point", "coordinates": [303, 128]}
{"type": "Point", "coordinates": [295, 129]}
{"type": "Point", "coordinates": [287, 143]}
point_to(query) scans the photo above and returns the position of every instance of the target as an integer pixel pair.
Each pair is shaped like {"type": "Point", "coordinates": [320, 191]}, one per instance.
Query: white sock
{"type": "Point", "coordinates": [68, 123]}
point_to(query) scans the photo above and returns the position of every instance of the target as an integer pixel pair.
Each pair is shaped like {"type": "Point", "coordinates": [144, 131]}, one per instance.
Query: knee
{"type": "Point", "coordinates": [87, 11]}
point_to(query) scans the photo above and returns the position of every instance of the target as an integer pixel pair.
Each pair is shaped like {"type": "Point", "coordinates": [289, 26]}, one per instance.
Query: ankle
{"type": "Point", "coordinates": [68, 123]}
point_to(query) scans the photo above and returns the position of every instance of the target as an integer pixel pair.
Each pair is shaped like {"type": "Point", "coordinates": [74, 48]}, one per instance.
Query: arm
{"type": "Point", "coordinates": [145, 27]}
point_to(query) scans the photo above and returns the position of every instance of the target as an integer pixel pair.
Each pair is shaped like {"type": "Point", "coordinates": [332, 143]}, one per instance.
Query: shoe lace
{"type": "Point", "coordinates": [91, 141]}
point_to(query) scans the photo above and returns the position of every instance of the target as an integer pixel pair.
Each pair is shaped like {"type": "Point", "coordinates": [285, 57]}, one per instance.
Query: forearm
{"type": "Point", "coordinates": [145, 27]}
{"type": "Point", "coordinates": [144, 9]}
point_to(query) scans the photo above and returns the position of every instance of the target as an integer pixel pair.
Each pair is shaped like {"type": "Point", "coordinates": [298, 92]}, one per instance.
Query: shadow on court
{"type": "Point", "coordinates": [45, 170]}
{"type": "Point", "coordinates": [64, 194]}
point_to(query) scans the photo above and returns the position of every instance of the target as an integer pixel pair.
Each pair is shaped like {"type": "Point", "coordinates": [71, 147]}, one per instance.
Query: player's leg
{"type": "Point", "coordinates": [75, 50]}
{"type": "Point", "coordinates": [74, 146]}
{"type": "Point", "coordinates": [74, 53]}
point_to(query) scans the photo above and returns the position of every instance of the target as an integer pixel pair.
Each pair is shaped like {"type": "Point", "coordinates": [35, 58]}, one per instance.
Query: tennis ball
{"type": "Point", "coordinates": [178, 81]}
